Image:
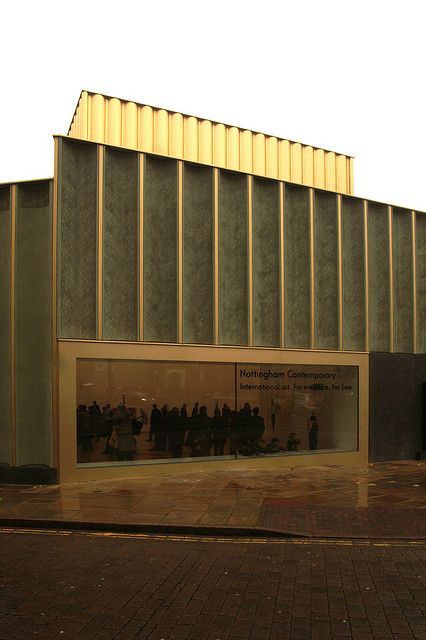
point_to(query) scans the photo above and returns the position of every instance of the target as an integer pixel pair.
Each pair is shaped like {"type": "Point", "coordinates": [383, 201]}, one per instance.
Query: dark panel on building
{"type": "Point", "coordinates": [160, 250]}
{"type": "Point", "coordinates": [34, 195]}
{"type": "Point", "coordinates": [402, 281]}
{"type": "Point", "coordinates": [233, 259]}
{"type": "Point", "coordinates": [77, 233]}
{"type": "Point", "coordinates": [353, 274]}
{"type": "Point", "coordinates": [120, 246]}
{"type": "Point", "coordinates": [198, 254]}
{"type": "Point", "coordinates": [297, 267]}
{"type": "Point", "coordinates": [394, 433]}
{"type": "Point", "coordinates": [421, 400]}
{"type": "Point", "coordinates": [5, 198]}
{"type": "Point", "coordinates": [421, 281]}
{"type": "Point", "coordinates": [326, 271]}
{"type": "Point", "coordinates": [29, 474]}
{"type": "Point", "coordinates": [33, 324]}
{"type": "Point", "coordinates": [266, 263]}
{"type": "Point", "coordinates": [378, 277]}
{"type": "Point", "coordinates": [5, 413]}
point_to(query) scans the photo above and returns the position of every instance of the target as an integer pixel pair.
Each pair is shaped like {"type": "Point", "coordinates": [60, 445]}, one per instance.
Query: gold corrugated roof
{"type": "Point", "coordinates": [122, 123]}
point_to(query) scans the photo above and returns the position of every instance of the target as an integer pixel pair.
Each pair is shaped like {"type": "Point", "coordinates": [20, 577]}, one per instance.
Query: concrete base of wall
{"type": "Point", "coordinates": [28, 474]}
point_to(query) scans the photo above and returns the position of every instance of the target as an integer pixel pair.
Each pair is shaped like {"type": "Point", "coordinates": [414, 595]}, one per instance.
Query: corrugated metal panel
{"type": "Point", "coordinates": [121, 123]}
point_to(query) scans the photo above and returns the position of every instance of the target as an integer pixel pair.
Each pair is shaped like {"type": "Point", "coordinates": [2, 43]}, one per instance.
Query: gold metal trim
{"type": "Point", "coordinates": [414, 254]}
{"type": "Point", "coordinates": [340, 269]}
{"type": "Point", "coordinates": [250, 258]}
{"type": "Point", "coordinates": [216, 253]}
{"type": "Point", "coordinates": [209, 346]}
{"type": "Point", "coordinates": [71, 350]}
{"type": "Point", "coordinates": [391, 290]}
{"type": "Point", "coordinates": [100, 243]}
{"type": "Point", "coordinates": [141, 168]}
{"type": "Point", "coordinates": [55, 367]}
{"type": "Point", "coordinates": [312, 265]}
{"type": "Point", "coordinates": [366, 279]}
{"type": "Point", "coordinates": [180, 251]}
{"type": "Point", "coordinates": [282, 289]}
{"type": "Point", "coordinates": [12, 327]}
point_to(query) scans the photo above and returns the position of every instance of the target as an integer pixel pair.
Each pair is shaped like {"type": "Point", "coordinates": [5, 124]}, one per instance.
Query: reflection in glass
{"type": "Point", "coordinates": [139, 410]}
{"type": "Point", "coordinates": [147, 411]}
{"type": "Point", "coordinates": [305, 407]}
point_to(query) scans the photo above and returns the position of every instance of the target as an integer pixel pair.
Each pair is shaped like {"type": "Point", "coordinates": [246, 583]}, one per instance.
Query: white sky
{"type": "Point", "coordinates": [346, 76]}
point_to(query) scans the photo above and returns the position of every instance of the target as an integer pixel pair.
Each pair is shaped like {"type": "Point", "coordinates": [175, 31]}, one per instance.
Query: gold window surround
{"type": "Point", "coordinates": [71, 350]}
{"type": "Point", "coordinates": [122, 123]}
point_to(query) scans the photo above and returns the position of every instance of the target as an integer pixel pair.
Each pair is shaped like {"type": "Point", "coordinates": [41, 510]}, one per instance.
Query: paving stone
{"type": "Point", "coordinates": [189, 590]}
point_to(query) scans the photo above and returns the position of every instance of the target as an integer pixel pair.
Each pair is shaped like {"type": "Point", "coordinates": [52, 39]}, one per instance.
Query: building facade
{"type": "Point", "coordinates": [209, 271]}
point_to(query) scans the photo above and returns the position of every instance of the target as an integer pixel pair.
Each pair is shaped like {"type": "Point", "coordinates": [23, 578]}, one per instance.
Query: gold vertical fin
{"type": "Point", "coordinates": [114, 124]}
{"type": "Point", "coordinates": [319, 168]}
{"type": "Point", "coordinates": [161, 132]}
{"type": "Point", "coordinates": [250, 259]}
{"type": "Point", "coordinates": [391, 292]}
{"type": "Point", "coordinates": [100, 242]}
{"type": "Point", "coordinates": [180, 251]}
{"type": "Point", "coordinates": [146, 129]}
{"type": "Point", "coordinates": [216, 254]}
{"type": "Point", "coordinates": [98, 118]}
{"type": "Point", "coordinates": [271, 159]}
{"type": "Point", "coordinates": [84, 115]}
{"type": "Point", "coordinates": [130, 125]}
{"type": "Point", "coordinates": [232, 148]}
{"type": "Point", "coordinates": [246, 151]}
{"type": "Point", "coordinates": [191, 138]}
{"type": "Point", "coordinates": [176, 135]}
{"type": "Point", "coordinates": [351, 176]}
{"type": "Point", "coordinates": [259, 152]}
{"type": "Point", "coordinates": [340, 269]}
{"type": "Point", "coordinates": [366, 279]}
{"type": "Point", "coordinates": [414, 253]}
{"type": "Point", "coordinates": [55, 379]}
{"type": "Point", "coordinates": [330, 170]}
{"type": "Point", "coordinates": [296, 162]}
{"type": "Point", "coordinates": [308, 166]}
{"type": "Point", "coordinates": [205, 153]}
{"type": "Point", "coordinates": [140, 246]}
{"type": "Point", "coordinates": [341, 182]}
{"type": "Point", "coordinates": [12, 325]}
{"type": "Point", "coordinates": [282, 273]}
{"type": "Point", "coordinates": [219, 145]}
{"type": "Point", "coordinates": [89, 116]}
{"type": "Point", "coordinates": [312, 264]}
{"type": "Point", "coordinates": [284, 160]}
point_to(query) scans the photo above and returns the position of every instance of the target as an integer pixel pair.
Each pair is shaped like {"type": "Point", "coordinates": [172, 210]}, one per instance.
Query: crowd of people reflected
{"type": "Point", "coordinates": [176, 432]}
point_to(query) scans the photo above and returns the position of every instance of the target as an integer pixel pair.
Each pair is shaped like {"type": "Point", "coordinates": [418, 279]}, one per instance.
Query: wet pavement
{"type": "Point", "coordinates": [382, 500]}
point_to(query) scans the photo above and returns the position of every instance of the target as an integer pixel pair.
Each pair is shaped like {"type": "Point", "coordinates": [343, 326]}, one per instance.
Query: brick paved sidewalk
{"type": "Point", "coordinates": [94, 587]}
{"type": "Point", "coordinates": [382, 500]}
{"type": "Point", "coordinates": [340, 522]}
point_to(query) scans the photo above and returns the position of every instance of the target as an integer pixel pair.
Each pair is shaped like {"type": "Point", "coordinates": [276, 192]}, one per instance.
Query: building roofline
{"type": "Point", "coordinates": [246, 173]}
{"type": "Point", "coordinates": [189, 115]}
{"type": "Point", "coordinates": [31, 180]}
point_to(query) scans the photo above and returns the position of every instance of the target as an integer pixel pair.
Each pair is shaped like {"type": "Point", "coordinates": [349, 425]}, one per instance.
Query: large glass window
{"type": "Point", "coordinates": [304, 407]}
{"type": "Point", "coordinates": [139, 410]}
{"type": "Point", "coordinates": [131, 411]}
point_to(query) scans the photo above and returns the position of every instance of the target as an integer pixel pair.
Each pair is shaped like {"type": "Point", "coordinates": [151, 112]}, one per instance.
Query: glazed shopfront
{"type": "Point", "coordinates": [310, 413]}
